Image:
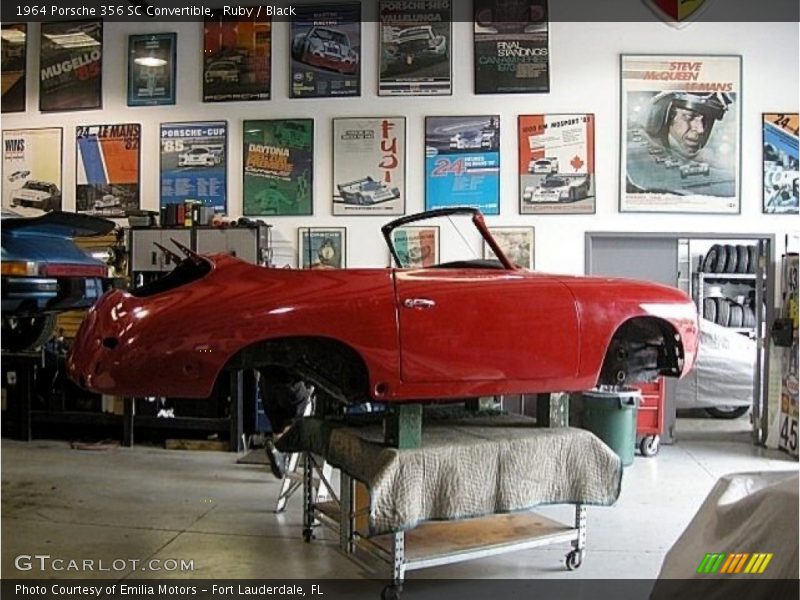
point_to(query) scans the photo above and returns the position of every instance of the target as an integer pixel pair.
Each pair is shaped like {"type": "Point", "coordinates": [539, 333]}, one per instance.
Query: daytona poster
{"type": "Point", "coordinates": [151, 69]}
{"type": "Point", "coordinates": [13, 45]}
{"type": "Point", "coordinates": [511, 47]}
{"type": "Point", "coordinates": [462, 162]}
{"type": "Point", "coordinates": [681, 127]}
{"type": "Point", "coordinates": [369, 159]}
{"type": "Point", "coordinates": [194, 163]}
{"type": "Point", "coordinates": [107, 163]}
{"type": "Point", "coordinates": [32, 170]}
{"type": "Point", "coordinates": [278, 158]}
{"type": "Point", "coordinates": [415, 52]}
{"type": "Point", "coordinates": [71, 66]}
{"type": "Point", "coordinates": [237, 58]}
{"type": "Point", "coordinates": [556, 164]}
{"type": "Point", "coordinates": [326, 50]}
{"type": "Point", "coordinates": [781, 172]}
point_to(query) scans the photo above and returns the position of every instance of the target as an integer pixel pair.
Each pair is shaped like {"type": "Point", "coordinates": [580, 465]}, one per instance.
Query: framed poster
{"type": "Point", "coordinates": [369, 166]}
{"type": "Point", "coordinates": [151, 69]}
{"type": "Point", "coordinates": [781, 173]}
{"type": "Point", "coordinates": [517, 243]}
{"type": "Point", "coordinates": [462, 162]}
{"type": "Point", "coordinates": [107, 169]}
{"type": "Point", "coordinates": [417, 247]}
{"type": "Point", "coordinates": [237, 58]}
{"type": "Point", "coordinates": [322, 247]}
{"type": "Point", "coordinates": [556, 164]}
{"type": "Point", "coordinates": [32, 170]}
{"type": "Point", "coordinates": [326, 50]}
{"type": "Point", "coordinates": [278, 162]}
{"type": "Point", "coordinates": [415, 51]}
{"type": "Point", "coordinates": [511, 47]}
{"type": "Point", "coordinates": [681, 126]}
{"type": "Point", "coordinates": [194, 163]}
{"type": "Point", "coordinates": [71, 66]}
{"type": "Point", "coordinates": [13, 48]}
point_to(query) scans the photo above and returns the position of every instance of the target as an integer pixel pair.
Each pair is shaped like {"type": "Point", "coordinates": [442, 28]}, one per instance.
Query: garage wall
{"type": "Point", "coordinates": [584, 78]}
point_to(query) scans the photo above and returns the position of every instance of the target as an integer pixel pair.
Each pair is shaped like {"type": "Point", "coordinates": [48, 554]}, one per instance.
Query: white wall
{"type": "Point", "coordinates": [584, 78]}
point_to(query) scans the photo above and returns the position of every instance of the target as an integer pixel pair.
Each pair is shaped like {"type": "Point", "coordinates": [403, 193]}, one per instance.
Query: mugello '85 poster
{"type": "Point", "coordinates": [326, 50]}
{"type": "Point", "coordinates": [556, 164]}
{"type": "Point", "coordinates": [511, 47]}
{"type": "Point", "coordinates": [32, 170]}
{"type": "Point", "coordinates": [193, 163]}
{"type": "Point", "coordinates": [680, 135]}
{"type": "Point", "coordinates": [369, 166]}
{"type": "Point", "coordinates": [278, 160]}
{"type": "Point", "coordinates": [71, 65]}
{"type": "Point", "coordinates": [415, 52]}
{"type": "Point", "coordinates": [107, 177]}
{"type": "Point", "coordinates": [462, 162]}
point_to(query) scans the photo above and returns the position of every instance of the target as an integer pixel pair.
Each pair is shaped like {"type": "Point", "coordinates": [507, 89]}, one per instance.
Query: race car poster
{"type": "Point", "coordinates": [278, 158]}
{"type": "Point", "coordinates": [781, 173]}
{"type": "Point", "coordinates": [322, 248]}
{"type": "Point", "coordinates": [326, 50]}
{"type": "Point", "coordinates": [71, 66]}
{"type": "Point", "coordinates": [32, 170]}
{"type": "Point", "coordinates": [517, 243]}
{"type": "Point", "coordinates": [237, 58]}
{"type": "Point", "coordinates": [511, 47]}
{"type": "Point", "coordinates": [681, 126]}
{"type": "Point", "coordinates": [151, 69]}
{"type": "Point", "coordinates": [194, 163]}
{"type": "Point", "coordinates": [415, 53]}
{"type": "Point", "coordinates": [556, 164]}
{"type": "Point", "coordinates": [13, 46]}
{"type": "Point", "coordinates": [417, 247]}
{"type": "Point", "coordinates": [369, 161]}
{"type": "Point", "coordinates": [107, 164]}
{"type": "Point", "coordinates": [462, 162]}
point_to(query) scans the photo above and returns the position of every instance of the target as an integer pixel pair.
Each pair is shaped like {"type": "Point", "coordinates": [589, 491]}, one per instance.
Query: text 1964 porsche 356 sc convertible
{"type": "Point", "coordinates": [458, 329]}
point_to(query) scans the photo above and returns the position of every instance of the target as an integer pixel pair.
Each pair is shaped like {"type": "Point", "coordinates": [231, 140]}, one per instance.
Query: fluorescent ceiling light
{"type": "Point", "coordinates": [72, 40]}
{"type": "Point", "coordinates": [150, 61]}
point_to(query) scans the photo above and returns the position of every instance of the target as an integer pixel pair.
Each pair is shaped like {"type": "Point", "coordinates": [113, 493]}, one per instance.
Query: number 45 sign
{"type": "Point", "coordinates": [788, 434]}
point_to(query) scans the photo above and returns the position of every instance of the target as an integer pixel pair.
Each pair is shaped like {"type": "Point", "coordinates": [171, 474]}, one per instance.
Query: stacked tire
{"type": "Point", "coordinates": [728, 258]}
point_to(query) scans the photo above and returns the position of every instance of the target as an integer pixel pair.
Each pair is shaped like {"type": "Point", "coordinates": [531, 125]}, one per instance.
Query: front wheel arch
{"type": "Point", "coordinates": [640, 350]}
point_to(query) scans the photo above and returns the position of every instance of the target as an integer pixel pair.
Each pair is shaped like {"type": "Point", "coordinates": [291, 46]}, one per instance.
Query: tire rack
{"type": "Point", "coordinates": [397, 548]}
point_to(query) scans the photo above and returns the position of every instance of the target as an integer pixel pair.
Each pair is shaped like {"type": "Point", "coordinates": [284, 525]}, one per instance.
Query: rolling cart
{"type": "Point", "coordinates": [650, 417]}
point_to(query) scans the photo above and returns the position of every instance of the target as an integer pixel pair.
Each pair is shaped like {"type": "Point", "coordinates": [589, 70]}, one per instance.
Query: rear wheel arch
{"type": "Point", "coordinates": [641, 349]}
{"type": "Point", "coordinates": [335, 368]}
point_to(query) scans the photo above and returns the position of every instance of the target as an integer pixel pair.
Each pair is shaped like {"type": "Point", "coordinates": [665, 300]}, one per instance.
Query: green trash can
{"type": "Point", "coordinates": [611, 416]}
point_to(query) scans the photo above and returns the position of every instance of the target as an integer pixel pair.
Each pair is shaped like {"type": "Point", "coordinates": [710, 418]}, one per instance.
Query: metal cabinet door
{"type": "Point", "coordinates": [146, 256]}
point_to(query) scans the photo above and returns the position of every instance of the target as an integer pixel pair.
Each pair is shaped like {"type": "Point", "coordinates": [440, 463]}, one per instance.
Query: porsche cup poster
{"type": "Point", "coordinates": [322, 248]}
{"type": "Point", "coordinates": [781, 172]}
{"type": "Point", "coordinates": [517, 243]}
{"type": "Point", "coordinates": [326, 50]}
{"type": "Point", "coordinates": [237, 58]}
{"type": "Point", "coordinates": [369, 159]}
{"type": "Point", "coordinates": [556, 164]}
{"type": "Point", "coordinates": [107, 163]}
{"type": "Point", "coordinates": [71, 65]}
{"type": "Point", "coordinates": [194, 163]}
{"type": "Point", "coordinates": [511, 47]}
{"type": "Point", "coordinates": [278, 158]}
{"type": "Point", "coordinates": [462, 162]}
{"type": "Point", "coordinates": [151, 69]}
{"type": "Point", "coordinates": [681, 124]}
{"type": "Point", "coordinates": [13, 46]}
{"type": "Point", "coordinates": [32, 170]}
{"type": "Point", "coordinates": [415, 53]}
{"type": "Point", "coordinates": [416, 247]}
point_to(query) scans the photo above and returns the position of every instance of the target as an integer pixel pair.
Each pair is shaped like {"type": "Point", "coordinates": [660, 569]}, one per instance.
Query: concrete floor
{"type": "Point", "coordinates": [146, 503]}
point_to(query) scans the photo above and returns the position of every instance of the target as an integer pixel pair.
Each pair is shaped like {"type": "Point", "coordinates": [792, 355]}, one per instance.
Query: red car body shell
{"type": "Point", "coordinates": [422, 333]}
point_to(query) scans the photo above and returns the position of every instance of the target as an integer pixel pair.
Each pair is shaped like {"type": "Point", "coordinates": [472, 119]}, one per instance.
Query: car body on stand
{"type": "Point", "coordinates": [458, 329]}
{"type": "Point", "coordinates": [45, 273]}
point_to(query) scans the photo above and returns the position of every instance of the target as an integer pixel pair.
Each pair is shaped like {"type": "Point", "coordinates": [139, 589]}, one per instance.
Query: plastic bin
{"type": "Point", "coordinates": [611, 416]}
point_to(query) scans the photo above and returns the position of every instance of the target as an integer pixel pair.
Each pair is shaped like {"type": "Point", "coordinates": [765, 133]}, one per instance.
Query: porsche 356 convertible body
{"type": "Point", "coordinates": [455, 330]}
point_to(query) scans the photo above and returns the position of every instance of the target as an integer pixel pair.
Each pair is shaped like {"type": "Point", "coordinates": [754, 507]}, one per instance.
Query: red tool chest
{"type": "Point", "coordinates": [650, 416]}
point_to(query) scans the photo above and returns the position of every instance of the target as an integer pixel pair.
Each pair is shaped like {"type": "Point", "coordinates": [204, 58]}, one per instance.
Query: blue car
{"type": "Point", "coordinates": [44, 273]}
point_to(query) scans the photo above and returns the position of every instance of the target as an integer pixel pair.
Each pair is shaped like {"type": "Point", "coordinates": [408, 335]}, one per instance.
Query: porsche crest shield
{"type": "Point", "coordinates": [676, 12]}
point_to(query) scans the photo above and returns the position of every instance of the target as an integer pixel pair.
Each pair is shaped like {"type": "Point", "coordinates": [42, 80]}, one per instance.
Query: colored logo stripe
{"type": "Point", "coordinates": [734, 563]}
